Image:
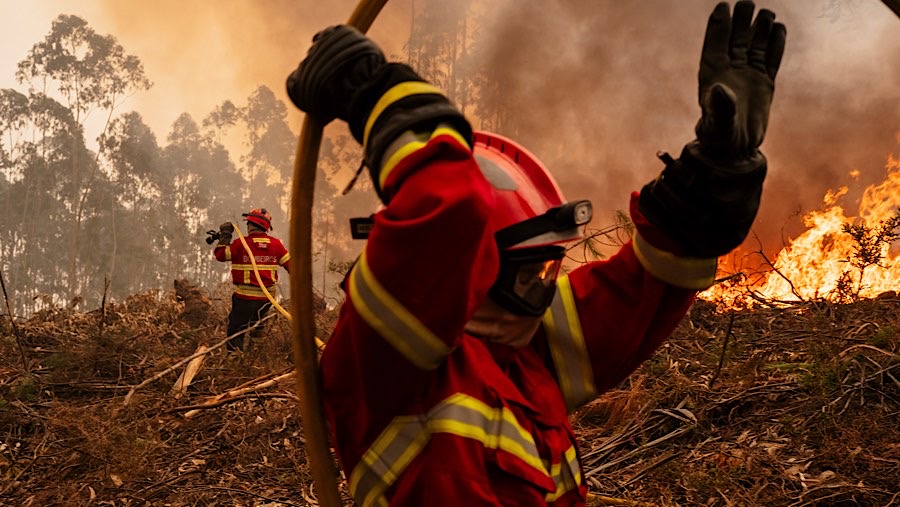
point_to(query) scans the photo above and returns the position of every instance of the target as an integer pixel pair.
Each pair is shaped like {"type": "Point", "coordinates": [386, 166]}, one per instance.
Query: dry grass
{"type": "Point", "coordinates": [803, 411]}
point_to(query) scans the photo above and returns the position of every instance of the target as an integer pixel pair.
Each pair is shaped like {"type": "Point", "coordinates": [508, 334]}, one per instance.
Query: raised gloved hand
{"type": "Point", "coordinates": [707, 199]}
{"type": "Point", "coordinates": [225, 232]}
{"type": "Point", "coordinates": [737, 79]}
{"type": "Point", "coordinates": [345, 75]}
{"type": "Point", "coordinates": [340, 61]}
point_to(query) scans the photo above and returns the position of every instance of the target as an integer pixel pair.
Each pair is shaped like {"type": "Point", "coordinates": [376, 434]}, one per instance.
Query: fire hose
{"type": "Point", "coordinates": [305, 357]}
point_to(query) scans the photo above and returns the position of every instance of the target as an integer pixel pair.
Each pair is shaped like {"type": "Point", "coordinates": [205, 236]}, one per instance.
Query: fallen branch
{"type": "Point", "coordinates": [219, 403]}
{"type": "Point", "coordinates": [608, 500]}
{"type": "Point", "coordinates": [190, 371]}
{"type": "Point", "coordinates": [724, 348]}
{"type": "Point", "coordinates": [239, 391]}
{"type": "Point", "coordinates": [192, 356]}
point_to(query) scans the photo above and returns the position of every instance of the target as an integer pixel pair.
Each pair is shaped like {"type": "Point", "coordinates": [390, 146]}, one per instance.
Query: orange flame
{"type": "Point", "coordinates": [818, 263]}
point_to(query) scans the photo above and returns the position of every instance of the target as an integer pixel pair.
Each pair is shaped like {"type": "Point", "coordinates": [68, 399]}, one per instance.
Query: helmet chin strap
{"type": "Point", "coordinates": [492, 323]}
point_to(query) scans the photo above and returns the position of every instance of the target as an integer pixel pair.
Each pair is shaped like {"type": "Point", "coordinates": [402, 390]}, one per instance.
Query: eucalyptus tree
{"type": "Point", "coordinates": [41, 199]}
{"type": "Point", "coordinates": [89, 72]}
{"type": "Point", "coordinates": [137, 215]}
{"type": "Point", "coordinates": [439, 44]}
{"type": "Point", "coordinates": [205, 190]}
{"type": "Point", "coordinates": [267, 163]}
{"type": "Point", "coordinates": [13, 123]}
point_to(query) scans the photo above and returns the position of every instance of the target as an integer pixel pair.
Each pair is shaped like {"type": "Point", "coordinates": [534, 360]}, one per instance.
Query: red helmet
{"type": "Point", "coordinates": [531, 221]}
{"type": "Point", "coordinates": [260, 217]}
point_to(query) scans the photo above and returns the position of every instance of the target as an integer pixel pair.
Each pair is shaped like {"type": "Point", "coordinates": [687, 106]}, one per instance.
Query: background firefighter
{"type": "Point", "coordinates": [248, 302]}
{"type": "Point", "coordinates": [459, 353]}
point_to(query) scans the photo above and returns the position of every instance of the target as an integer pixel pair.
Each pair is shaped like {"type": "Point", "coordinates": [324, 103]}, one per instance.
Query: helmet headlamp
{"type": "Point", "coordinates": [544, 228]}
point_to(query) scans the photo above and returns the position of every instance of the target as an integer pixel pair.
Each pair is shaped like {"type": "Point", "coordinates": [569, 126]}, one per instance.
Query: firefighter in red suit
{"type": "Point", "coordinates": [248, 302]}
{"type": "Point", "coordinates": [461, 348]}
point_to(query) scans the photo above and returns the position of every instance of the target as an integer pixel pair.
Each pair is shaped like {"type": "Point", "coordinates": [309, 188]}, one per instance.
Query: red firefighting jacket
{"type": "Point", "coordinates": [422, 413]}
{"type": "Point", "coordinates": [268, 252]}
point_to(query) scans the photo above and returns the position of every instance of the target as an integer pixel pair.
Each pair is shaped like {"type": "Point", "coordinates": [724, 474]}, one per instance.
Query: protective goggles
{"type": "Point", "coordinates": [526, 283]}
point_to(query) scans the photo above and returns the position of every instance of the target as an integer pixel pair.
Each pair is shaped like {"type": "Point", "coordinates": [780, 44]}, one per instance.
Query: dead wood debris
{"type": "Point", "coordinates": [799, 407]}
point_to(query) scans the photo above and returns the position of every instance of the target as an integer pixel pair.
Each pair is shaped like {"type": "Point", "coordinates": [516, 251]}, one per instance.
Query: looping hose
{"type": "Point", "coordinates": [321, 463]}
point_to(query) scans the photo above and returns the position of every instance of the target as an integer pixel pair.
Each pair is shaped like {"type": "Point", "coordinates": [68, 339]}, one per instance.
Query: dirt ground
{"type": "Point", "coordinates": [790, 406]}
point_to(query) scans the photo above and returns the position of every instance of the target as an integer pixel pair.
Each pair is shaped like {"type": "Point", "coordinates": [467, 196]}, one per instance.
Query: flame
{"type": "Point", "coordinates": [823, 262]}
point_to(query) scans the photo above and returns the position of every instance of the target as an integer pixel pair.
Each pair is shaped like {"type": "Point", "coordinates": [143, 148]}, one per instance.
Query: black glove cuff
{"type": "Point", "coordinates": [706, 207]}
{"type": "Point", "coordinates": [417, 112]}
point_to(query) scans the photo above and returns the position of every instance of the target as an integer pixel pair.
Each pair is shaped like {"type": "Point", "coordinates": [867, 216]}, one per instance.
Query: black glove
{"type": "Point", "coordinates": [707, 199]}
{"type": "Point", "coordinates": [344, 75]}
{"type": "Point", "coordinates": [340, 61]}
{"type": "Point", "coordinates": [737, 79]}
{"type": "Point", "coordinates": [225, 232]}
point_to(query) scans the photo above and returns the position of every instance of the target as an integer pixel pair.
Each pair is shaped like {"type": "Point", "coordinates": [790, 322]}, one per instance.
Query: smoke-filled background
{"type": "Point", "coordinates": [600, 86]}
{"type": "Point", "coordinates": [594, 89]}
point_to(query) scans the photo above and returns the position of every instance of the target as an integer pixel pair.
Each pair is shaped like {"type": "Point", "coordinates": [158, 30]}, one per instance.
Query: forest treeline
{"type": "Point", "coordinates": [121, 211]}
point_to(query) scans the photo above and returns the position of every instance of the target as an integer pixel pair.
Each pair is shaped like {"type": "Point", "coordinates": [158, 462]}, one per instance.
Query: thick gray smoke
{"type": "Point", "coordinates": [604, 85]}
{"type": "Point", "coordinates": [601, 85]}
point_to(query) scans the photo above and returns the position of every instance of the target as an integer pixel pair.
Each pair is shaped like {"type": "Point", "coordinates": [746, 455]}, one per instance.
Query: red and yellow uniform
{"type": "Point", "coordinates": [268, 252]}
{"type": "Point", "coordinates": [459, 353]}
{"type": "Point", "coordinates": [424, 413]}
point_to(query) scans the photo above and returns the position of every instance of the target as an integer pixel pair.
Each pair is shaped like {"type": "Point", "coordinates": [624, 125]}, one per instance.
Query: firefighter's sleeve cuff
{"type": "Point", "coordinates": [401, 102]}
{"type": "Point", "coordinates": [683, 272]}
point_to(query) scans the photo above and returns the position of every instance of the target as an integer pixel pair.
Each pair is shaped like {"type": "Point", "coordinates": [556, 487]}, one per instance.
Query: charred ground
{"type": "Point", "coordinates": [786, 406]}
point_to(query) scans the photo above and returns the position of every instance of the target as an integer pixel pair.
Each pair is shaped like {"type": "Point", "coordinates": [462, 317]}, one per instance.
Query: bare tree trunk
{"type": "Point", "coordinates": [82, 197]}
{"type": "Point", "coordinates": [73, 245]}
{"type": "Point", "coordinates": [325, 254]}
{"type": "Point", "coordinates": [115, 241]}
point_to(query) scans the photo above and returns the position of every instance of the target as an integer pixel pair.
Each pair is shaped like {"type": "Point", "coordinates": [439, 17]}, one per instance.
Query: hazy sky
{"type": "Point", "coordinates": [603, 84]}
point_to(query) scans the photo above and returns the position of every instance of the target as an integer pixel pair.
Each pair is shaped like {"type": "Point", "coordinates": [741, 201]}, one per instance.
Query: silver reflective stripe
{"type": "Point", "coordinates": [392, 321]}
{"type": "Point", "coordinates": [566, 475]}
{"type": "Point", "coordinates": [410, 142]}
{"type": "Point", "coordinates": [380, 466]}
{"type": "Point", "coordinates": [406, 436]}
{"type": "Point", "coordinates": [573, 366]}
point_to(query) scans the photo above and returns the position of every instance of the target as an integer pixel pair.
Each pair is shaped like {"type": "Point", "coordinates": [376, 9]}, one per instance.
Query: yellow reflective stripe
{"type": "Point", "coordinates": [406, 436]}
{"type": "Point", "coordinates": [571, 457]}
{"type": "Point", "coordinates": [407, 149]}
{"type": "Point", "coordinates": [251, 290]}
{"type": "Point", "coordinates": [249, 267]}
{"type": "Point", "coordinates": [261, 240]}
{"type": "Point", "coordinates": [567, 346]}
{"type": "Point", "coordinates": [391, 320]}
{"type": "Point", "coordinates": [566, 475]}
{"type": "Point", "coordinates": [684, 272]}
{"type": "Point", "coordinates": [478, 424]}
{"type": "Point", "coordinates": [227, 251]}
{"type": "Point", "coordinates": [286, 257]}
{"type": "Point", "coordinates": [397, 92]}
{"type": "Point", "coordinates": [386, 459]}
